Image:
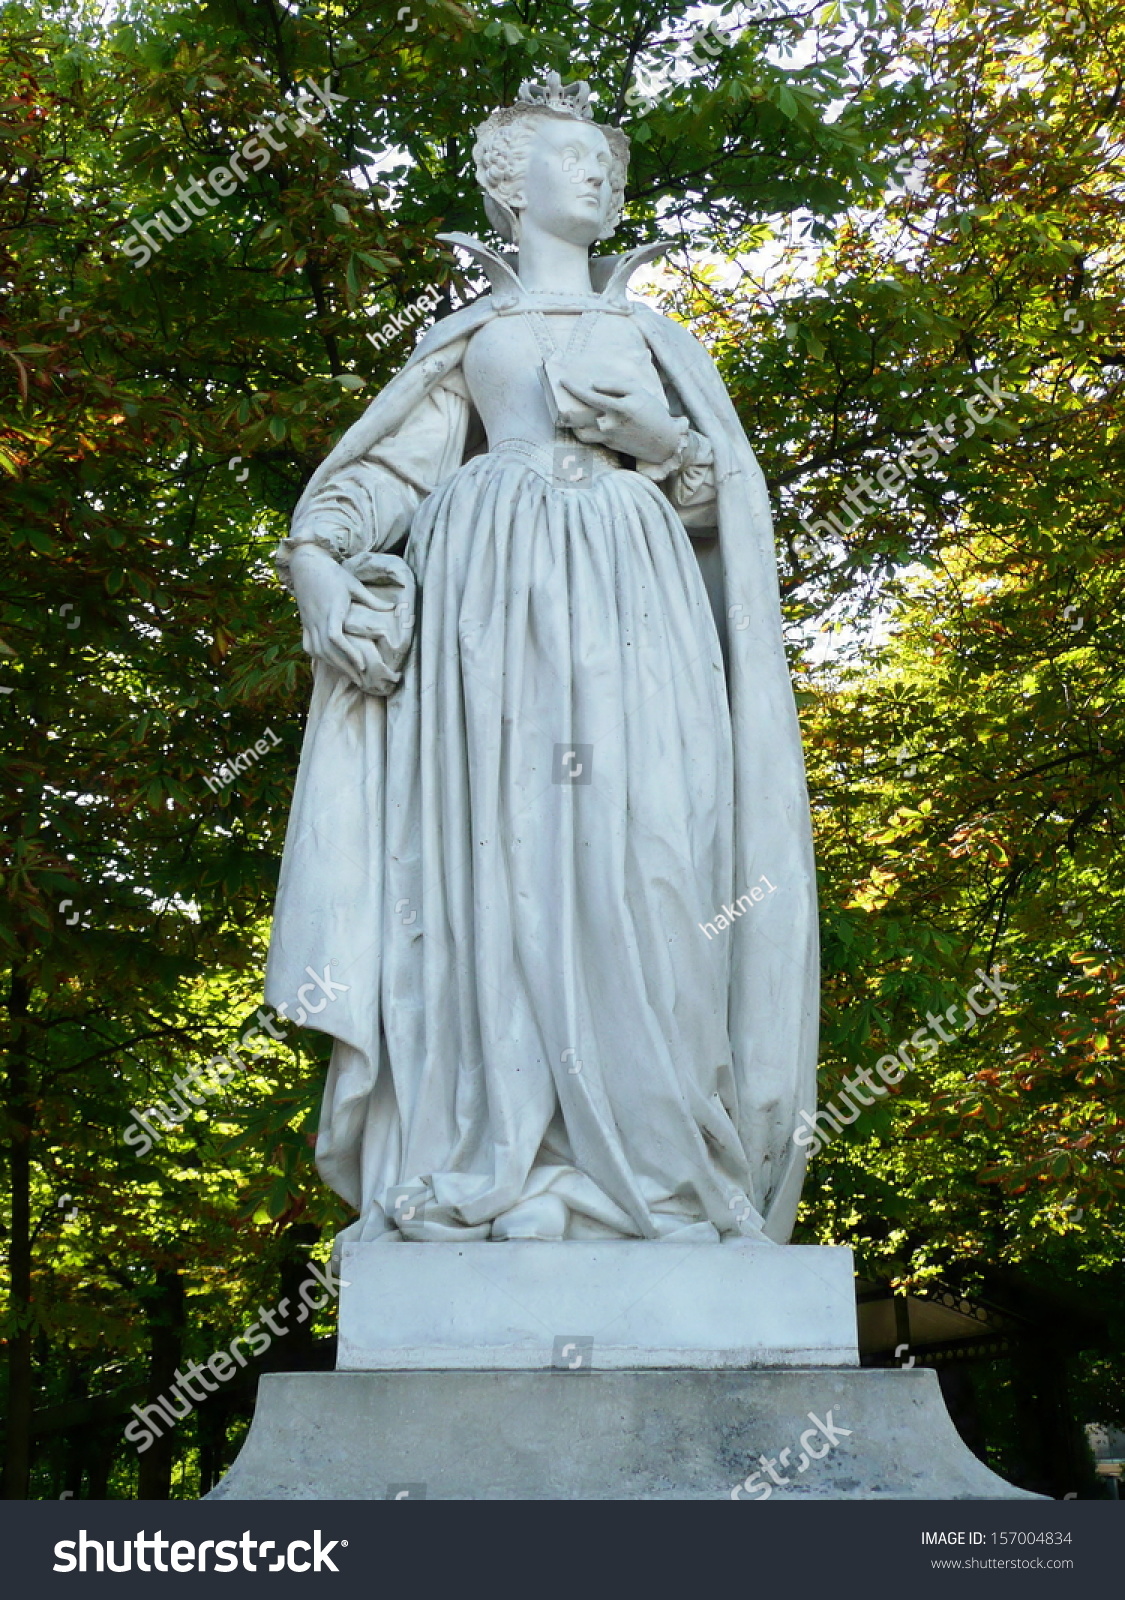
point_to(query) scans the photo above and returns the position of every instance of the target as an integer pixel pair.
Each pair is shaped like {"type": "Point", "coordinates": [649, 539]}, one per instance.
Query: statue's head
{"type": "Point", "coordinates": [546, 159]}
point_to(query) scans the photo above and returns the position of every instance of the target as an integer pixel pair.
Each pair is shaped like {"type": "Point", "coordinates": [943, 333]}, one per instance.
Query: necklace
{"type": "Point", "coordinates": [576, 304]}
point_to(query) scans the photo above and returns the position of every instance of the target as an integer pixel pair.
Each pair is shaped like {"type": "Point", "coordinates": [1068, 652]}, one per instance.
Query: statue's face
{"type": "Point", "coordinates": [566, 189]}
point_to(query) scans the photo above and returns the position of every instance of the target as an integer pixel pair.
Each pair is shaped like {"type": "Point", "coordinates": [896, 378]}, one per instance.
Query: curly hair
{"type": "Point", "coordinates": [501, 152]}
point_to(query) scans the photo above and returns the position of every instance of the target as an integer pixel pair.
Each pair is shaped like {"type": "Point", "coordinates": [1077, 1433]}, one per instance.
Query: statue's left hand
{"type": "Point", "coordinates": [332, 599]}
{"type": "Point", "coordinates": [631, 419]}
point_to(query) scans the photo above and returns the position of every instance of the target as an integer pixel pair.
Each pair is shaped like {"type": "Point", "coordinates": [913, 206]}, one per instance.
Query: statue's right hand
{"type": "Point", "coordinates": [324, 593]}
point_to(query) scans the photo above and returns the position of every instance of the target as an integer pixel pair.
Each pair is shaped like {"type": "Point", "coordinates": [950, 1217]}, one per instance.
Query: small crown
{"type": "Point", "coordinates": [571, 99]}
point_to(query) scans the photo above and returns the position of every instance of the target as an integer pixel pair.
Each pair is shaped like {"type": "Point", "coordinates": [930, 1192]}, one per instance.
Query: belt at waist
{"type": "Point", "coordinates": [567, 461]}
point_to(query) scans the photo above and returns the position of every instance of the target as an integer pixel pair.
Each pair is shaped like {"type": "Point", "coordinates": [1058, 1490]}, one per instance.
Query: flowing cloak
{"type": "Point", "coordinates": [329, 910]}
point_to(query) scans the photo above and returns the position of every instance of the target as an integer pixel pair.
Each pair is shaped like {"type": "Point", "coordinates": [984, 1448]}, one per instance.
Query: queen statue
{"type": "Point", "coordinates": [550, 834]}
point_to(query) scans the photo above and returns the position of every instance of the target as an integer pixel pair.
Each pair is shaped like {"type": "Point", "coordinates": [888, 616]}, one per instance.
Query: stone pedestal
{"type": "Point", "coordinates": [624, 1371]}
{"type": "Point", "coordinates": [527, 1306]}
{"type": "Point", "coordinates": [582, 1435]}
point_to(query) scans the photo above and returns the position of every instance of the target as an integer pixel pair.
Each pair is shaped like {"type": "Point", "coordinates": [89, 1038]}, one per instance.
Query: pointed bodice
{"type": "Point", "coordinates": [592, 335]}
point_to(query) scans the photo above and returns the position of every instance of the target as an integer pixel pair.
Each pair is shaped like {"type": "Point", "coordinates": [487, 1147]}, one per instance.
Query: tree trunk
{"type": "Point", "coordinates": [17, 1460]}
{"type": "Point", "coordinates": [166, 1321]}
{"type": "Point", "coordinates": [100, 1459]}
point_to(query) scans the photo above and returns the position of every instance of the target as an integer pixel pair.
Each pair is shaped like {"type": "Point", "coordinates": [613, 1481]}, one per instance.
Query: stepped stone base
{"type": "Point", "coordinates": [592, 1435]}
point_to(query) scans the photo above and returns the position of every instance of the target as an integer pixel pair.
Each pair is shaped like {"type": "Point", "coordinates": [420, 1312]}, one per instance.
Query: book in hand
{"type": "Point", "coordinates": [567, 411]}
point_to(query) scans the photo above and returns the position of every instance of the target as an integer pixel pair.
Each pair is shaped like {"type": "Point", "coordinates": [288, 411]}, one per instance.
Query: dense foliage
{"type": "Point", "coordinates": [882, 212]}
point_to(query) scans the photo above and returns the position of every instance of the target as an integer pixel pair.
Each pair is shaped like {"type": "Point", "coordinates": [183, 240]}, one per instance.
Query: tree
{"type": "Point", "coordinates": [158, 418]}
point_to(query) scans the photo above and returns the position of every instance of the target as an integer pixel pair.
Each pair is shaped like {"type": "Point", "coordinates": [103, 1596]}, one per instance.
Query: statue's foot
{"type": "Point", "coordinates": [544, 1217]}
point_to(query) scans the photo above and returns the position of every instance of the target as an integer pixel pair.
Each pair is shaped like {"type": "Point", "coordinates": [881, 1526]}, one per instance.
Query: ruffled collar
{"type": "Point", "coordinates": [609, 275]}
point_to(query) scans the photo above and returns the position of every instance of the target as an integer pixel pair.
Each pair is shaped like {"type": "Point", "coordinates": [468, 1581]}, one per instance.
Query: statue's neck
{"type": "Point", "coordinates": [553, 266]}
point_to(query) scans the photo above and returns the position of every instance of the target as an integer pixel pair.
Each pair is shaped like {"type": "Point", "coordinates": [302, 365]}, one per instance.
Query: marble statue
{"type": "Point", "coordinates": [552, 760]}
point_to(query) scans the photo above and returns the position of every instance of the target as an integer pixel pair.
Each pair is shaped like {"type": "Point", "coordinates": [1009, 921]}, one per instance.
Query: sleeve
{"type": "Point", "coordinates": [369, 504]}
{"type": "Point", "coordinates": [691, 485]}
{"type": "Point", "coordinates": [688, 475]}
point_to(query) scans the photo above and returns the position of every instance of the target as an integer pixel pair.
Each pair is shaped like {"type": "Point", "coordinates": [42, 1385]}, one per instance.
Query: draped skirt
{"type": "Point", "coordinates": [559, 813]}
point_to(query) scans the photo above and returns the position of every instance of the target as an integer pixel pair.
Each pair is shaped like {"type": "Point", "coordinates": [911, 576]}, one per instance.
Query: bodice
{"type": "Point", "coordinates": [504, 363]}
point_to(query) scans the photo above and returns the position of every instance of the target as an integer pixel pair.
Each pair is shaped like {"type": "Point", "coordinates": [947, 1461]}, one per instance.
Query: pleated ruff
{"type": "Point", "coordinates": [559, 824]}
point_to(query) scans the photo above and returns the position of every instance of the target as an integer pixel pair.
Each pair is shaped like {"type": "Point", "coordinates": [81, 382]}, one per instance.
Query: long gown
{"type": "Point", "coordinates": [516, 862]}
{"type": "Point", "coordinates": [559, 827]}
